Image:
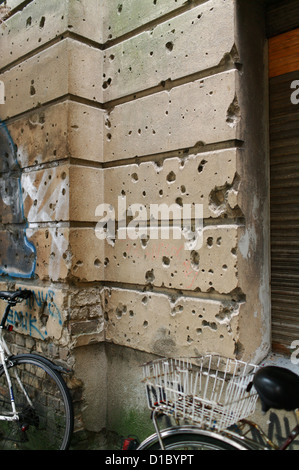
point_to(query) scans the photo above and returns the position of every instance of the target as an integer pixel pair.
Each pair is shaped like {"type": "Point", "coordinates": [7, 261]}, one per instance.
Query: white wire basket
{"type": "Point", "coordinates": [211, 391]}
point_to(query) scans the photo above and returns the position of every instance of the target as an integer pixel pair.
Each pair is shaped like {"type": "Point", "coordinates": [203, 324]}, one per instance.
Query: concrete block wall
{"type": "Point", "coordinates": [143, 102]}
{"type": "Point", "coordinates": [178, 130]}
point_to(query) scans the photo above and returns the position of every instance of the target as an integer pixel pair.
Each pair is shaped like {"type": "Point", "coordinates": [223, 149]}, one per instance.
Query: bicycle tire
{"type": "Point", "coordinates": [190, 438]}
{"type": "Point", "coordinates": [48, 424]}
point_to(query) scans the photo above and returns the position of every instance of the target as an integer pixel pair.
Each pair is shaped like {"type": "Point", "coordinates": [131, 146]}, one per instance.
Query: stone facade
{"type": "Point", "coordinates": [143, 102]}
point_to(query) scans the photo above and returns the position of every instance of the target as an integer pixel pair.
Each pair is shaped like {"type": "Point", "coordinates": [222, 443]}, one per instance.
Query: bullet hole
{"type": "Point", "coordinates": [176, 310]}
{"type": "Point", "coordinates": [119, 8]}
{"type": "Point", "coordinates": [201, 166]}
{"type": "Point", "coordinates": [120, 311]}
{"type": "Point", "coordinates": [42, 22]}
{"type": "Point", "coordinates": [195, 258]}
{"type": "Point", "coordinates": [78, 265]}
{"type": "Point", "coordinates": [144, 240]}
{"type": "Point", "coordinates": [29, 21]}
{"type": "Point", "coordinates": [171, 177]}
{"type": "Point", "coordinates": [218, 196]}
{"type": "Point", "coordinates": [179, 201]}
{"type": "Point", "coordinates": [134, 177]}
{"type": "Point", "coordinates": [32, 89]}
{"type": "Point", "coordinates": [165, 261]}
{"type": "Point", "coordinates": [210, 242]}
{"type": "Point", "coordinates": [183, 189]}
{"type": "Point", "coordinates": [149, 276]}
{"type": "Point", "coordinates": [97, 263]}
{"type": "Point", "coordinates": [211, 325]}
{"type": "Point", "coordinates": [145, 324]}
{"type": "Point", "coordinates": [109, 137]}
{"type": "Point", "coordinates": [169, 46]}
{"type": "Point", "coordinates": [144, 300]}
{"type": "Point", "coordinates": [233, 115]}
{"type": "Point", "coordinates": [107, 83]}
{"type": "Point", "coordinates": [63, 175]}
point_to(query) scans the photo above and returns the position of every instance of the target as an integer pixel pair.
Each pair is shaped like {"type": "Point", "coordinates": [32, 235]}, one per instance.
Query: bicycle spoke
{"type": "Point", "coordinates": [48, 422]}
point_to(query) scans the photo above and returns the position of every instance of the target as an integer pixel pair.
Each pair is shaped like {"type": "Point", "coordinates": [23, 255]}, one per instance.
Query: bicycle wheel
{"type": "Point", "coordinates": [45, 423]}
{"type": "Point", "coordinates": [189, 438]}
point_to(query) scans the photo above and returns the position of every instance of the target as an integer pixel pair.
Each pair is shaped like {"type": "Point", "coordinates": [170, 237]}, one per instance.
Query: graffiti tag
{"type": "Point", "coordinates": [27, 319]}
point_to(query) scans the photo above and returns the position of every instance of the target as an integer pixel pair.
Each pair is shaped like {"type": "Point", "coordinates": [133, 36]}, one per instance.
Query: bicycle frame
{"type": "Point", "coordinates": [239, 441]}
{"type": "Point", "coordinates": [4, 357]}
{"type": "Point", "coordinates": [229, 437]}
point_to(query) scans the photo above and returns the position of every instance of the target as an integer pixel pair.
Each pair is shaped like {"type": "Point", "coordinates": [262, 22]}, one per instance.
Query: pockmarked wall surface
{"type": "Point", "coordinates": [134, 183]}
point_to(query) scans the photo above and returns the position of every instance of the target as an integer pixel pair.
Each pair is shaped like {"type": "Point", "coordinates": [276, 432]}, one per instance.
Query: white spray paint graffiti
{"type": "Point", "coordinates": [17, 255]}
{"type": "Point", "coordinates": [46, 201]}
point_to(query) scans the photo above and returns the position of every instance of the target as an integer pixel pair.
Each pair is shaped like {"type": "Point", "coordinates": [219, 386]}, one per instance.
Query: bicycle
{"type": "Point", "coordinates": [217, 395]}
{"type": "Point", "coordinates": [36, 411]}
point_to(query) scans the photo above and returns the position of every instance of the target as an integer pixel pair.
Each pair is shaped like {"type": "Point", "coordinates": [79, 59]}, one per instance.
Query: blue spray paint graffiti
{"type": "Point", "coordinates": [17, 254]}
{"type": "Point", "coordinates": [25, 318]}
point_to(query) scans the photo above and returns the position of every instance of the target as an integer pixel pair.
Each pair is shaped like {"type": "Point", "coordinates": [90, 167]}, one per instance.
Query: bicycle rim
{"type": "Point", "coordinates": [184, 440]}
{"type": "Point", "coordinates": [46, 423]}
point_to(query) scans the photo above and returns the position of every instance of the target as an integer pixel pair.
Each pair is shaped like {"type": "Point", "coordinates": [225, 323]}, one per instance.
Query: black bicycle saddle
{"type": "Point", "coordinates": [277, 388]}
{"type": "Point", "coordinates": [16, 296]}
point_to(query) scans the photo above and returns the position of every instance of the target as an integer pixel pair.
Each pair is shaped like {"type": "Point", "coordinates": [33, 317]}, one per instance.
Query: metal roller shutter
{"type": "Point", "coordinates": [284, 191]}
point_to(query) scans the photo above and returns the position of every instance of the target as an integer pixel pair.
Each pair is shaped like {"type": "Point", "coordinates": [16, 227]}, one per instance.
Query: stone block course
{"type": "Point", "coordinates": [39, 23]}
{"type": "Point", "coordinates": [160, 262]}
{"type": "Point", "coordinates": [202, 112]}
{"type": "Point", "coordinates": [65, 68]}
{"type": "Point", "coordinates": [178, 326]}
{"type": "Point", "coordinates": [61, 131]}
{"type": "Point", "coordinates": [159, 54]}
{"type": "Point", "coordinates": [208, 179]}
{"type": "Point", "coordinates": [121, 18]}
